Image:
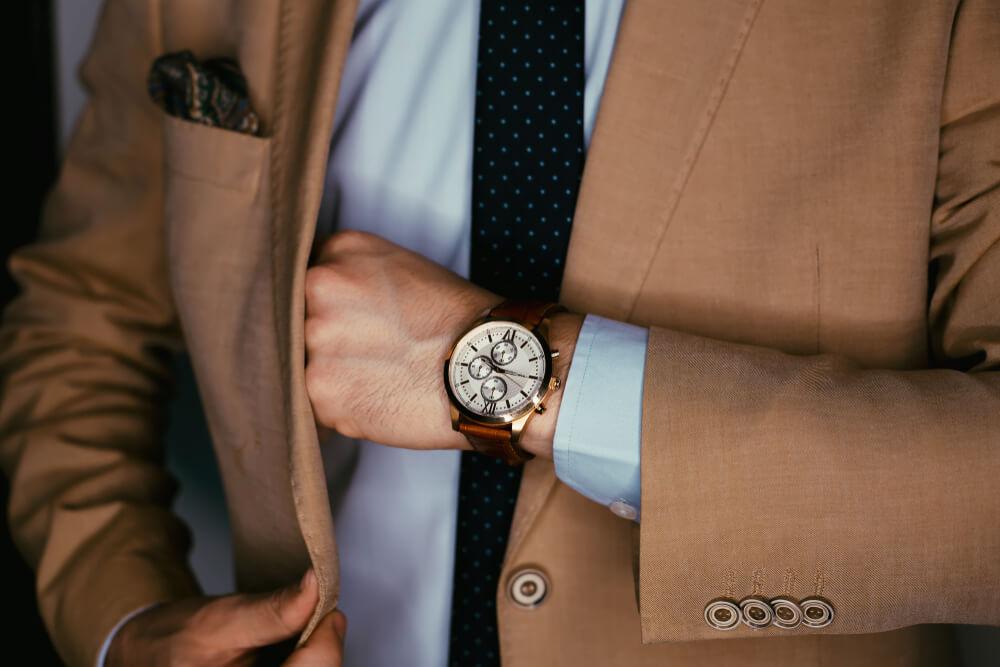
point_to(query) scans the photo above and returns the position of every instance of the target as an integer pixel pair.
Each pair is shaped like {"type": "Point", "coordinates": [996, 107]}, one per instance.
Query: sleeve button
{"type": "Point", "coordinates": [787, 614]}
{"type": "Point", "coordinates": [722, 614]}
{"type": "Point", "coordinates": [816, 612]}
{"type": "Point", "coordinates": [757, 613]}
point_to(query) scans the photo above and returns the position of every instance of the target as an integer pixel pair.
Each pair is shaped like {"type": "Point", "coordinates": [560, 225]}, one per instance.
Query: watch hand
{"type": "Point", "coordinates": [519, 385]}
{"type": "Point", "coordinates": [504, 371]}
{"type": "Point", "coordinates": [508, 373]}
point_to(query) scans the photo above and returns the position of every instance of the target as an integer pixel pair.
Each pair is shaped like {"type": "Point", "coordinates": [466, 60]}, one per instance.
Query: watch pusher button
{"type": "Point", "coordinates": [555, 353]}
{"type": "Point", "coordinates": [539, 408]}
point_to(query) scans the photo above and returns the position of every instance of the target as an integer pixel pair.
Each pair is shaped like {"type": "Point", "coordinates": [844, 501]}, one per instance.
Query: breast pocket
{"type": "Point", "coordinates": [218, 228]}
{"type": "Point", "coordinates": [217, 215]}
{"type": "Point", "coordinates": [217, 155]}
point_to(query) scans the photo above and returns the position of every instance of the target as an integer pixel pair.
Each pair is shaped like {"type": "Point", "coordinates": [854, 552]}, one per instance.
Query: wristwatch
{"type": "Point", "coordinates": [498, 375]}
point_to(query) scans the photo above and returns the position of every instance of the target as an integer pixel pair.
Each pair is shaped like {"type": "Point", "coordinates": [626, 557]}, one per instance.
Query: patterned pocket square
{"type": "Point", "coordinates": [213, 91]}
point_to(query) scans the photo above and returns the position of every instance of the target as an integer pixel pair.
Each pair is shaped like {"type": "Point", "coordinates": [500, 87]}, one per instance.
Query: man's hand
{"type": "Point", "coordinates": [230, 630]}
{"type": "Point", "coordinates": [380, 321]}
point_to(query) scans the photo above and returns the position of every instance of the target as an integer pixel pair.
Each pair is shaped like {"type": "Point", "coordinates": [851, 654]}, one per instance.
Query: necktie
{"type": "Point", "coordinates": [527, 164]}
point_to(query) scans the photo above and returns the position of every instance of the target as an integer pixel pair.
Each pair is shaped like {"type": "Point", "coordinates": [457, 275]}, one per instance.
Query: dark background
{"type": "Point", "coordinates": [48, 38]}
{"type": "Point", "coordinates": [29, 33]}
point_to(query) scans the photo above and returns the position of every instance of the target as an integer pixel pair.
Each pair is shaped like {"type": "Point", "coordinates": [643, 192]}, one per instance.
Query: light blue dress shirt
{"type": "Point", "coordinates": [400, 165]}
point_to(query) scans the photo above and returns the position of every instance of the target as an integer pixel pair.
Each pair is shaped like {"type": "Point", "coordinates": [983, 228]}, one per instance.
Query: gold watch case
{"type": "Point", "coordinates": [536, 404]}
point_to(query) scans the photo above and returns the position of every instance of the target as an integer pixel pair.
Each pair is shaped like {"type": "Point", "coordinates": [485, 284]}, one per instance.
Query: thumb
{"type": "Point", "coordinates": [325, 645]}
{"type": "Point", "coordinates": [262, 619]}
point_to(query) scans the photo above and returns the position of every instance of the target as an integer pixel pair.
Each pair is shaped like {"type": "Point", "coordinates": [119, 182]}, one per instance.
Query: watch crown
{"type": "Point", "coordinates": [555, 383]}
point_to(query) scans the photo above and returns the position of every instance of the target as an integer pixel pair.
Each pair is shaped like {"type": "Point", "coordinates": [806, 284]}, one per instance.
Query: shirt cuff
{"type": "Point", "coordinates": [102, 656]}
{"type": "Point", "coordinates": [598, 432]}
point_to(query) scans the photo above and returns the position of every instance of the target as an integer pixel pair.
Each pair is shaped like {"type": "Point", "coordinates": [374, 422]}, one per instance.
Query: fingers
{"type": "Point", "coordinates": [325, 645]}
{"type": "Point", "coordinates": [254, 620]}
{"type": "Point", "coordinates": [347, 241]}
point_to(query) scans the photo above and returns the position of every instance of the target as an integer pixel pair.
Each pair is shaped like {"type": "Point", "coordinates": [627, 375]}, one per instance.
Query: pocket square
{"type": "Point", "coordinates": [212, 91]}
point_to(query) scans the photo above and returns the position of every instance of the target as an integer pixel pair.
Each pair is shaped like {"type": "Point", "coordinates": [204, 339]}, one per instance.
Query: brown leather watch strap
{"type": "Point", "coordinates": [527, 311]}
{"type": "Point", "coordinates": [494, 441]}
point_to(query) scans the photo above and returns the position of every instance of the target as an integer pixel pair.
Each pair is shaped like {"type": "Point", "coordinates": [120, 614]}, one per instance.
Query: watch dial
{"type": "Point", "coordinates": [497, 369]}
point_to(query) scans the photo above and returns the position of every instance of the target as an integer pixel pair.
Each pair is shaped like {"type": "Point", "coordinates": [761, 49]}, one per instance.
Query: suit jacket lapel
{"type": "Point", "coordinates": [669, 70]}
{"type": "Point", "coordinates": [312, 45]}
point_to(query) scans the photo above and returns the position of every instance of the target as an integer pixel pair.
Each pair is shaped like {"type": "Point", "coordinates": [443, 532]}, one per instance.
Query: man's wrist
{"type": "Point", "coordinates": [564, 328]}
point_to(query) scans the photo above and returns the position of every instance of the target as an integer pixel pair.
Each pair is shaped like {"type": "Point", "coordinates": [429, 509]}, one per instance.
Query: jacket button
{"type": "Point", "coordinates": [756, 612]}
{"type": "Point", "coordinates": [787, 614]}
{"type": "Point", "coordinates": [722, 614]}
{"type": "Point", "coordinates": [816, 612]}
{"type": "Point", "coordinates": [528, 588]}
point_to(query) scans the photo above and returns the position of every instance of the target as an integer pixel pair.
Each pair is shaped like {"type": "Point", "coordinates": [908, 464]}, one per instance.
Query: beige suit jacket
{"type": "Point", "coordinates": [800, 199]}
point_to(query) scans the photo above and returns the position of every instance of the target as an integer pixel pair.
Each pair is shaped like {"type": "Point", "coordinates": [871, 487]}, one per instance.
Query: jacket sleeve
{"type": "Point", "coordinates": [85, 358]}
{"type": "Point", "coordinates": [769, 474]}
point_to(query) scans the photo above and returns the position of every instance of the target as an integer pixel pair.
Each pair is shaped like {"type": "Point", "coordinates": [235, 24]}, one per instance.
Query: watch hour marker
{"type": "Point", "coordinates": [508, 402]}
{"type": "Point", "coordinates": [464, 382]}
{"type": "Point", "coordinates": [532, 377]}
{"type": "Point", "coordinates": [490, 408]}
{"type": "Point", "coordinates": [525, 393]}
{"type": "Point", "coordinates": [532, 359]}
{"type": "Point", "coordinates": [525, 342]}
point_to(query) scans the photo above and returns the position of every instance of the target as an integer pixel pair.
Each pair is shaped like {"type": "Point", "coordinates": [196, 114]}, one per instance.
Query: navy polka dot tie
{"type": "Point", "coordinates": [527, 164]}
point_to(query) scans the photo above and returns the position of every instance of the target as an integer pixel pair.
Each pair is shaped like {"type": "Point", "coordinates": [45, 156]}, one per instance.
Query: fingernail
{"type": "Point", "coordinates": [307, 579]}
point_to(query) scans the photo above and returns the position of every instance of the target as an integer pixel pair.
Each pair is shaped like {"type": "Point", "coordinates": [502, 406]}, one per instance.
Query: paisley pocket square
{"type": "Point", "coordinates": [213, 91]}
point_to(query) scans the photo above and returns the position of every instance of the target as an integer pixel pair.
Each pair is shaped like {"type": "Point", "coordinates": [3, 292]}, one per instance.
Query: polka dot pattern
{"type": "Point", "coordinates": [528, 144]}
{"type": "Point", "coordinates": [527, 164]}
{"type": "Point", "coordinates": [487, 493]}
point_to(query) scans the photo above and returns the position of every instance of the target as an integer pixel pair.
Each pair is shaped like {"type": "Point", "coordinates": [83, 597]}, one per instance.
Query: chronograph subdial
{"type": "Point", "coordinates": [480, 367]}
{"type": "Point", "coordinates": [503, 352]}
{"type": "Point", "coordinates": [494, 389]}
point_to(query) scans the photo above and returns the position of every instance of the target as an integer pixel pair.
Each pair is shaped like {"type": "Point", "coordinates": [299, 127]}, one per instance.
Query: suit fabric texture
{"type": "Point", "coordinates": [799, 200]}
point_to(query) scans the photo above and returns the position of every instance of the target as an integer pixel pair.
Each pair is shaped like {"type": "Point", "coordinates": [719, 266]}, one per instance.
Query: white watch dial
{"type": "Point", "coordinates": [497, 369]}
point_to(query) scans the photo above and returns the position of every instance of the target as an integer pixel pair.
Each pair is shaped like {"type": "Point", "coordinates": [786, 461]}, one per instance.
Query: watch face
{"type": "Point", "coordinates": [498, 370]}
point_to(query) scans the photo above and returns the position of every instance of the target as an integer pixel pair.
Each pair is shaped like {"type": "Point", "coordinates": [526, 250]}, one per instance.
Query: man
{"type": "Point", "coordinates": [797, 203]}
